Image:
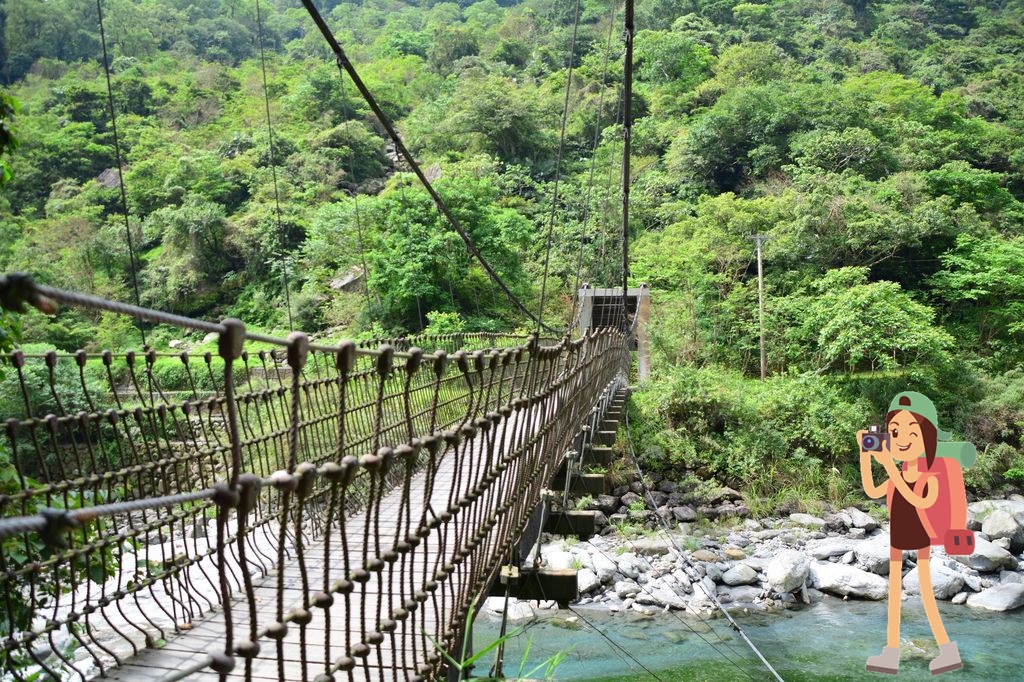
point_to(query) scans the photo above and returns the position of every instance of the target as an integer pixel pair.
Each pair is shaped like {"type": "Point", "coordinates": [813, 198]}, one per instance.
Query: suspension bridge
{"type": "Point", "coordinates": [299, 512]}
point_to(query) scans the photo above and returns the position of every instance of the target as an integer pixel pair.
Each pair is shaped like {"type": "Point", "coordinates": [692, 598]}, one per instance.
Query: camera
{"type": "Point", "coordinates": [873, 439]}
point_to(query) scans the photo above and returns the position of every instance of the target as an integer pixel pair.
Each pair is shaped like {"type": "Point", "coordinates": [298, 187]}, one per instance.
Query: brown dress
{"type": "Point", "coordinates": [905, 528]}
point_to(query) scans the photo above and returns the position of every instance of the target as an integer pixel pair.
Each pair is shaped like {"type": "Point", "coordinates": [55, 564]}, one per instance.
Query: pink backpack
{"type": "Point", "coordinates": [946, 520]}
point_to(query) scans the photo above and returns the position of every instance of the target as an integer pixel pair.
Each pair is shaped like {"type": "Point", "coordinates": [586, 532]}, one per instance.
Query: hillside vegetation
{"type": "Point", "coordinates": [877, 144]}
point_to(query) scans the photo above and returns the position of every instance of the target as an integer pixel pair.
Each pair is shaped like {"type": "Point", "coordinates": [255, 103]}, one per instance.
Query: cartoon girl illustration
{"type": "Point", "coordinates": [912, 433]}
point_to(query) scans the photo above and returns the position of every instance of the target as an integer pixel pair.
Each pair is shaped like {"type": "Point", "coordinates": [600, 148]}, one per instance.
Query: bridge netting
{"type": "Point", "coordinates": [298, 510]}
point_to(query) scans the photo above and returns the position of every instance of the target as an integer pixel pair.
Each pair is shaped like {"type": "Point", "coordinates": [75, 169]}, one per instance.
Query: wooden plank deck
{"type": "Point", "coordinates": [398, 656]}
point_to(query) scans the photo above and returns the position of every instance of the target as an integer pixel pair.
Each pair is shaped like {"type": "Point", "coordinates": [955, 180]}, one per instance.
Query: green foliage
{"type": "Point", "coordinates": [787, 434]}
{"type": "Point", "coordinates": [439, 322]}
{"type": "Point", "coordinates": [877, 146]}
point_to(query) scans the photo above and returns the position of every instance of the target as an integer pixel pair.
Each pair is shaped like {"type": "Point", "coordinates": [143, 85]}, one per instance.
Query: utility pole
{"type": "Point", "coordinates": [759, 239]}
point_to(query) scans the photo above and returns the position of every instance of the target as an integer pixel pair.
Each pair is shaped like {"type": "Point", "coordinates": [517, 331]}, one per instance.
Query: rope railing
{"type": "Point", "coordinates": [303, 511]}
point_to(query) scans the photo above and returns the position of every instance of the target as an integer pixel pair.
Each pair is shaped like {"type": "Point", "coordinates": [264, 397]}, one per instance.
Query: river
{"type": "Point", "coordinates": [830, 640]}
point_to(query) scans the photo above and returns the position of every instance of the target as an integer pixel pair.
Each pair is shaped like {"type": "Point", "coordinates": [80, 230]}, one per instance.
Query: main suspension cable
{"type": "Point", "coordinates": [345, 65]}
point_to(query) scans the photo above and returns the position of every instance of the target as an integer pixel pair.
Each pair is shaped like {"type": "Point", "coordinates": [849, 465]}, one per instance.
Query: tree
{"type": "Point", "coordinates": [851, 324]}
{"type": "Point", "coordinates": [983, 281]}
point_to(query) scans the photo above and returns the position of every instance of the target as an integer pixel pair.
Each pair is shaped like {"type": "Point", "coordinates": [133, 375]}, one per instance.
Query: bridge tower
{"type": "Point", "coordinates": [603, 308]}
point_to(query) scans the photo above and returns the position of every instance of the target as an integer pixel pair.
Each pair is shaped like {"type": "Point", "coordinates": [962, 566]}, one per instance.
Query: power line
{"type": "Point", "coordinates": [345, 65]}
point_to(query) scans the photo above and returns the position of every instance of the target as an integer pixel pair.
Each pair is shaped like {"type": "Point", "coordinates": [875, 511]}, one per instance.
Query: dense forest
{"type": "Point", "coordinates": [878, 146]}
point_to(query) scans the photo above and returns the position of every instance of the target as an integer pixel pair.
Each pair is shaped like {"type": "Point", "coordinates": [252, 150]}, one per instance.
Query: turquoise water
{"type": "Point", "coordinates": [827, 641]}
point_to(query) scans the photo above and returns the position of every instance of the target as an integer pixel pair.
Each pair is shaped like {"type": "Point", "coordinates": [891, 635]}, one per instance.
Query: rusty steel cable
{"type": "Point", "coordinates": [346, 66]}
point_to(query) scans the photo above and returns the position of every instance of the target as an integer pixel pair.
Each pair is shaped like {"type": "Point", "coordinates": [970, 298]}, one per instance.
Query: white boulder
{"type": "Point", "coordinates": [787, 571]}
{"type": "Point", "coordinates": [847, 581]}
{"type": "Point", "coordinates": [999, 598]}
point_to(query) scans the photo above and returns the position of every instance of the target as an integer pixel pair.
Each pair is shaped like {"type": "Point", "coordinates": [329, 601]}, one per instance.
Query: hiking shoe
{"type": "Point", "coordinates": [947, 660]}
{"type": "Point", "coordinates": [888, 661]}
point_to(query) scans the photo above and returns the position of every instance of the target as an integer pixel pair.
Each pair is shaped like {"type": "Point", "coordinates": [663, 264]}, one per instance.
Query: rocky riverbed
{"type": "Point", "coordinates": [780, 563]}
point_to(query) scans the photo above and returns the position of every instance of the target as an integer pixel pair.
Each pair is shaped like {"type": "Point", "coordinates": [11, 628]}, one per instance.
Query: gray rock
{"type": "Point", "coordinates": [873, 554]}
{"type": "Point", "coordinates": [973, 581]}
{"type": "Point", "coordinates": [831, 547]}
{"type": "Point", "coordinates": [604, 567]}
{"type": "Point", "coordinates": [1000, 524]}
{"type": "Point", "coordinates": [743, 593]}
{"type": "Point", "coordinates": [667, 487]}
{"type": "Point", "coordinates": [847, 581]}
{"type": "Point", "coordinates": [738, 540]}
{"type": "Point", "coordinates": [655, 498]}
{"type": "Point", "coordinates": [607, 503]}
{"type": "Point", "coordinates": [684, 514]}
{"type": "Point", "coordinates": [740, 574]}
{"type": "Point", "coordinates": [946, 582]}
{"type": "Point", "coordinates": [557, 558]}
{"type": "Point", "coordinates": [836, 523]}
{"type": "Point", "coordinates": [657, 545]}
{"type": "Point", "coordinates": [713, 571]}
{"type": "Point", "coordinates": [848, 558]}
{"type": "Point", "coordinates": [587, 580]}
{"type": "Point", "coordinates": [724, 495]}
{"type": "Point", "coordinates": [517, 610]}
{"type": "Point", "coordinates": [626, 588]}
{"type": "Point", "coordinates": [856, 534]}
{"type": "Point", "coordinates": [977, 512]}
{"type": "Point", "coordinates": [999, 598]}
{"type": "Point", "coordinates": [661, 595]}
{"type": "Point", "coordinates": [631, 566]}
{"type": "Point", "coordinates": [732, 509]}
{"type": "Point", "coordinates": [807, 520]}
{"type": "Point", "coordinates": [861, 520]}
{"type": "Point", "coordinates": [987, 557]}
{"type": "Point", "coordinates": [787, 570]}
{"type": "Point", "coordinates": [631, 497]}
{"type": "Point", "coordinates": [1008, 577]}
{"type": "Point", "coordinates": [710, 513]}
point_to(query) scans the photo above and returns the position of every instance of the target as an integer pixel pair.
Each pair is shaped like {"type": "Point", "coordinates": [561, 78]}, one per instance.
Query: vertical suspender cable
{"type": "Point", "coordinates": [593, 165]}
{"type": "Point", "coordinates": [273, 161]}
{"type": "Point", "coordinates": [558, 172]}
{"type": "Point", "coordinates": [355, 193]}
{"type": "Point", "coordinates": [627, 129]}
{"type": "Point", "coordinates": [120, 173]}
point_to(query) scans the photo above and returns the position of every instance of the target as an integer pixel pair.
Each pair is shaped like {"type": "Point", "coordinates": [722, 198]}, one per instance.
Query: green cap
{"type": "Point", "coordinates": [919, 404]}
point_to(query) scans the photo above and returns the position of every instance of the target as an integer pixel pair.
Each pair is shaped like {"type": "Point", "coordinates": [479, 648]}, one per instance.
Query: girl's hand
{"type": "Point", "coordinates": [885, 459]}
